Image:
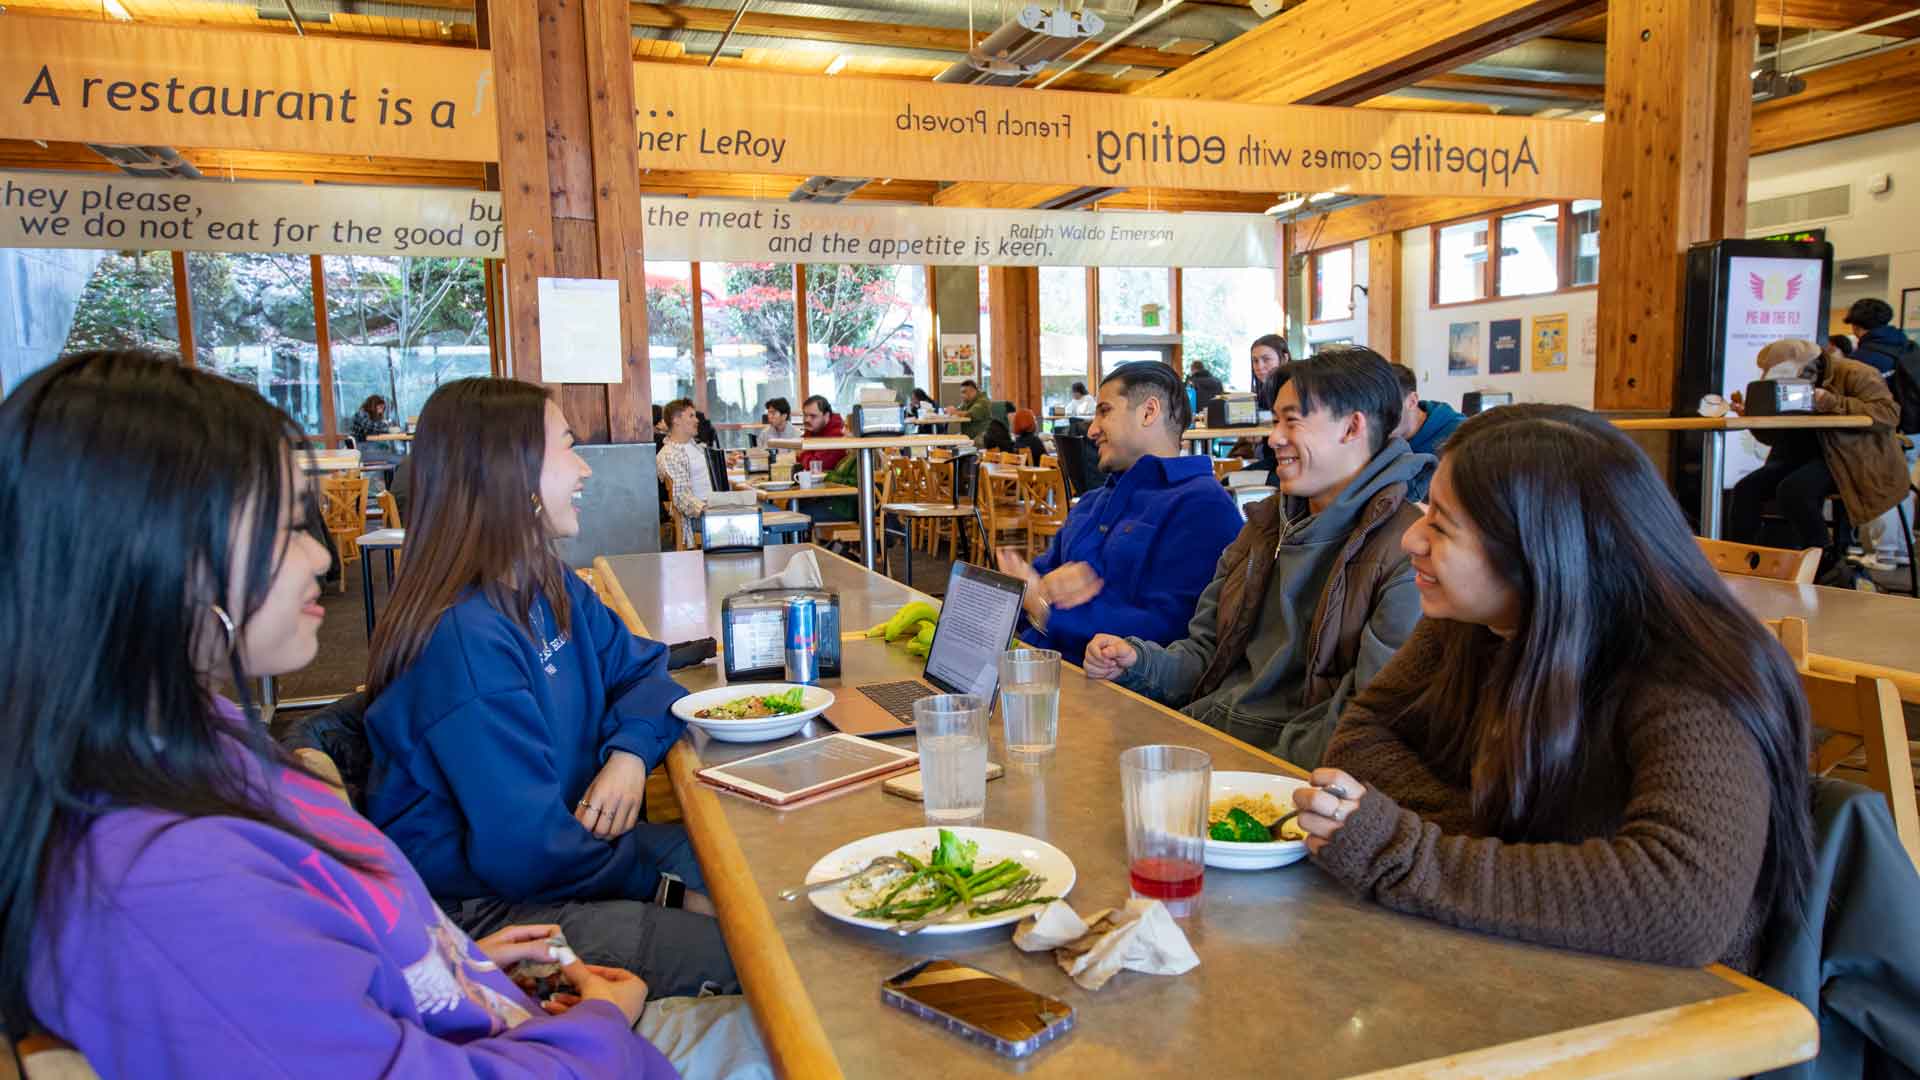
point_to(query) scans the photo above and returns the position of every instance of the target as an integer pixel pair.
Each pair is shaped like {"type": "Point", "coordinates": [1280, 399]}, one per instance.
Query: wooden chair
{"type": "Point", "coordinates": [345, 514]}
{"type": "Point", "coordinates": [950, 512]}
{"type": "Point", "coordinates": [1003, 516]}
{"type": "Point", "coordinates": [1775, 564]}
{"type": "Point", "coordinates": [1046, 509]}
{"type": "Point", "coordinates": [1864, 716]}
{"type": "Point", "coordinates": [390, 511]}
{"type": "Point", "coordinates": [678, 523]}
{"type": "Point", "coordinates": [1222, 467]}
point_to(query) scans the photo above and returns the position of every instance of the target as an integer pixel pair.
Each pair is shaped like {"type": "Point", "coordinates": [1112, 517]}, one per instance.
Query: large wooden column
{"type": "Point", "coordinates": [1015, 312]}
{"type": "Point", "coordinates": [570, 191]}
{"type": "Point", "coordinates": [1383, 295]}
{"type": "Point", "coordinates": [1679, 108]}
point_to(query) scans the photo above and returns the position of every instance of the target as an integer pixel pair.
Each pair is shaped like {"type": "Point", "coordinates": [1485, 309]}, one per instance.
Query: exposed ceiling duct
{"type": "Point", "coordinates": [152, 162]}
{"type": "Point", "coordinates": [1545, 60]}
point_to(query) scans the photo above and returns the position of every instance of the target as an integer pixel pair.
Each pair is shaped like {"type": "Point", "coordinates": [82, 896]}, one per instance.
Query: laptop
{"type": "Point", "coordinates": [977, 621]}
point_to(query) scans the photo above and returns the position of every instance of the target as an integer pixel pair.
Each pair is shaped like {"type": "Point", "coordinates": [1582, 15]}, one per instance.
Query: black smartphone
{"type": "Point", "coordinates": [979, 1005]}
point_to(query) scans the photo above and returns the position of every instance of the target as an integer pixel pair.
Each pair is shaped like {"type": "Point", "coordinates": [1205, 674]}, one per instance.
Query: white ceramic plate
{"type": "Point", "coordinates": [1228, 855]}
{"type": "Point", "coordinates": [813, 699]}
{"type": "Point", "coordinates": [1037, 855]}
{"type": "Point", "coordinates": [777, 485]}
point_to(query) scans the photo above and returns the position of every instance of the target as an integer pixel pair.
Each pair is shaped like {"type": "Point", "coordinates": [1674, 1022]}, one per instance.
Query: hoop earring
{"type": "Point", "coordinates": [226, 622]}
{"type": "Point", "coordinates": [538, 509]}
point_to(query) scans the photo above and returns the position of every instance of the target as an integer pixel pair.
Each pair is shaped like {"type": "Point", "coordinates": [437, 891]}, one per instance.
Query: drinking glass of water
{"type": "Point", "coordinates": [952, 732]}
{"type": "Point", "coordinates": [1165, 792]}
{"type": "Point", "coordinates": [1030, 702]}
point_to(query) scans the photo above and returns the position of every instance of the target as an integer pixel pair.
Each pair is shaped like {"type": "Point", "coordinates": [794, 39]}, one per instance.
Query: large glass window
{"type": "Point", "coordinates": [670, 330]}
{"type": "Point", "coordinates": [1583, 220]}
{"type": "Point", "coordinates": [1063, 332]}
{"type": "Point", "coordinates": [127, 303]}
{"type": "Point", "coordinates": [400, 326]}
{"type": "Point", "coordinates": [1333, 284]}
{"type": "Point", "coordinates": [866, 325]}
{"type": "Point", "coordinates": [1129, 294]}
{"type": "Point", "coordinates": [1530, 251]}
{"type": "Point", "coordinates": [1222, 311]}
{"type": "Point", "coordinates": [747, 312]}
{"type": "Point", "coordinates": [1460, 262]}
{"type": "Point", "coordinates": [253, 321]}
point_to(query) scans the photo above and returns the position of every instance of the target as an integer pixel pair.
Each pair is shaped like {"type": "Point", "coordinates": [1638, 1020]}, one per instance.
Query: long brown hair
{"type": "Point", "coordinates": [1615, 595]}
{"type": "Point", "coordinates": [476, 520]}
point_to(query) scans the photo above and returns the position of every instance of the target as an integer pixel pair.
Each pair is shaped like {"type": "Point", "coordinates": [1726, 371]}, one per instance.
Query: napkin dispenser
{"type": "Point", "coordinates": [1779, 397]}
{"type": "Point", "coordinates": [1233, 410]}
{"type": "Point", "coordinates": [753, 632]}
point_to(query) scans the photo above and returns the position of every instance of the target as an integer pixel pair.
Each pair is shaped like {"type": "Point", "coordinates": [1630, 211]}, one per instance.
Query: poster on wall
{"type": "Point", "coordinates": [959, 357]}
{"type": "Point", "coordinates": [1549, 343]}
{"type": "Point", "coordinates": [1503, 357]}
{"type": "Point", "coordinates": [579, 330]}
{"type": "Point", "coordinates": [1589, 341]}
{"type": "Point", "coordinates": [1910, 311]}
{"type": "Point", "coordinates": [1463, 348]}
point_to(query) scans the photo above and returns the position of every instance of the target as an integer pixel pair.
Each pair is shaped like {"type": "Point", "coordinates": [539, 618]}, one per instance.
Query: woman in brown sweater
{"type": "Point", "coordinates": [1587, 742]}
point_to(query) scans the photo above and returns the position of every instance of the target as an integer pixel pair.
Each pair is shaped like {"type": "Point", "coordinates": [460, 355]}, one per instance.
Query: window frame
{"type": "Point", "coordinates": [1314, 315]}
{"type": "Point", "coordinates": [1490, 283]}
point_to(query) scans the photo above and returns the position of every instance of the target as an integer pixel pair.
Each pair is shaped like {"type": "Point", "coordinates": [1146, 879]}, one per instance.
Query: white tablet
{"type": "Point", "coordinates": [811, 768]}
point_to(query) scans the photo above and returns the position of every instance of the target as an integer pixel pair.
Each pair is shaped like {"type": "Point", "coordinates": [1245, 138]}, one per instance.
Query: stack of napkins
{"type": "Point", "coordinates": [1139, 937]}
{"type": "Point", "coordinates": [802, 572]}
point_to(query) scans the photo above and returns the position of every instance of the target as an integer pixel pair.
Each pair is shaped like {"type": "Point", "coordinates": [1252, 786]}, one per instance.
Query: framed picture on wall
{"type": "Point", "coordinates": [1463, 348]}
{"type": "Point", "coordinates": [1910, 311]}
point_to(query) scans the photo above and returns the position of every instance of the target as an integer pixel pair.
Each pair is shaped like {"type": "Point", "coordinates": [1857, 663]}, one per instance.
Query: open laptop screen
{"type": "Point", "coordinates": [976, 623]}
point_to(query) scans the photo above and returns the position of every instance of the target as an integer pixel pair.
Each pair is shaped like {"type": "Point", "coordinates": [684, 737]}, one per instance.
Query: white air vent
{"type": "Point", "coordinates": [1804, 208]}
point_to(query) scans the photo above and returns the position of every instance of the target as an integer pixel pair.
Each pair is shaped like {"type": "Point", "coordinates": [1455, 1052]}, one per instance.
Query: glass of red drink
{"type": "Point", "coordinates": [1165, 792]}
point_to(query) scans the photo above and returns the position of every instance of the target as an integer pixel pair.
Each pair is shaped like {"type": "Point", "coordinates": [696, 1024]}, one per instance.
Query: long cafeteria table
{"type": "Point", "coordinates": [1297, 977]}
{"type": "Point", "coordinates": [1848, 632]}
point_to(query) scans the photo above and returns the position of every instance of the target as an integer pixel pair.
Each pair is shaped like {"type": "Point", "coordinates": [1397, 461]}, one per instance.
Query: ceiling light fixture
{"type": "Point", "coordinates": [1322, 196]}
{"type": "Point", "coordinates": [839, 64]}
{"type": "Point", "coordinates": [1857, 276]}
{"type": "Point", "coordinates": [1287, 206]}
{"type": "Point", "coordinates": [118, 10]}
{"type": "Point", "coordinates": [1597, 118]}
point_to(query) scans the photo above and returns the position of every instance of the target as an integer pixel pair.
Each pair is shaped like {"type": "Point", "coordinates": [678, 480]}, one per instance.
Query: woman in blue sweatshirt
{"type": "Point", "coordinates": [514, 719]}
{"type": "Point", "coordinates": [178, 897]}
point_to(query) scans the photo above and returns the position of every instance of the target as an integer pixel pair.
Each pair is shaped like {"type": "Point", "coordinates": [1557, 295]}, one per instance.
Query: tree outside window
{"type": "Point", "coordinates": [402, 326]}
{"type": "Point", "coordinates": [253, 321]}
{"type": "Point", "coordinates": [865, 324]}
{"type": "Point", "coordinates": [127, 304]}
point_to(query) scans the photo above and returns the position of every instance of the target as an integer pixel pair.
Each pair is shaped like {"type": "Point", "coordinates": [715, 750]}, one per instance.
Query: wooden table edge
{"type": "Point", "coordinates": [789, 1026]}
{"type": "Point", "coordinates": [1751, 423]}
{"type": "Point", "coordinates": [1906, 682]}
{"type": "Point", "coordinates": [1753, 1030]}
{"type": "Point", "coordinates": [854, 442]}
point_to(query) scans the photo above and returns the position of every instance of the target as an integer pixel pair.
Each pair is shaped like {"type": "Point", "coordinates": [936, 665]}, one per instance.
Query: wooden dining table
{"type": "Point", "coordinates": [1714, 447]}
{"type": "Point", "coordinates": [1848, 633]}
{"type": "Point", "coordinates": [869, 451]}
{"type": "Point", "coordinates": [1297, 977]}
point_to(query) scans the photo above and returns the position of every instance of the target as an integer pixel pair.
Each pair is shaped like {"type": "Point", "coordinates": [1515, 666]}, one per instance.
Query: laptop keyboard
{"type": "Point", "coordinates": [898, 697]}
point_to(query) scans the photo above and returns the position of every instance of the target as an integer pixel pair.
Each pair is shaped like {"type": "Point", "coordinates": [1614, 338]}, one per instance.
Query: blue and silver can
{"type": "Point", "coordinates": [803, 648]}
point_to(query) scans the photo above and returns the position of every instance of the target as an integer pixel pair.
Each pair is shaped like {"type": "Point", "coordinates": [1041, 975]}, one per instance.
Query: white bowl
{"type": "Point", "coordinates": [1230, 855]}
{"type": "Point", "coordinates": [814, 700]}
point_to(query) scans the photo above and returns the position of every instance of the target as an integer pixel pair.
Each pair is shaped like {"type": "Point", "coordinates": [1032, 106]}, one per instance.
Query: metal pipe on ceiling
{"type": "Point", "coordinates": [1810, 40]}
{"type": "Point", "coordinates": [738, 13]}
{"type": "Point", "coordinates": [1138, 25]}
{"type": "Point", "coordinates": [295, 16]}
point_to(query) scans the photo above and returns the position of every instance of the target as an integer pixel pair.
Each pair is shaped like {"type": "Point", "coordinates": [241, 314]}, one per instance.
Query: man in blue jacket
{"type": "Point", "coordinates": [1135, 554]}
{"type": "Point", "coordinates": [1425, 425]}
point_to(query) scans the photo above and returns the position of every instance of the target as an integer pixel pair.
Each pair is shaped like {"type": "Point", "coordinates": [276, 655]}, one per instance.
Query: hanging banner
{"type": "Point", "coordinates": [109, 210]}
{"type": "Point", "coordinates": [746, 121]}
{"type": "Point", "coordinates": [726, 230]}
{"type": "Point", "coordinates": [108, 82]}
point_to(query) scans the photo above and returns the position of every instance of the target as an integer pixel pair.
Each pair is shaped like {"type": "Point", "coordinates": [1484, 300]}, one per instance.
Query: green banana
{"type": "Point", "coordinates": [878, 629]}
{"type": "Point", "coordinates": [925, 634]}
{"type": "Point", "coordinates": [917, 647]}
{"type": "Point", "coordinates": [904, 619]}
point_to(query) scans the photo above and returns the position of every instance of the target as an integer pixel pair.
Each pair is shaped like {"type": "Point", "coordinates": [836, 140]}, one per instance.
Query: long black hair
{"type": "Point", "coordinates": [125, 484]}
{"type": "Point", "coordinates": [1614, 595]}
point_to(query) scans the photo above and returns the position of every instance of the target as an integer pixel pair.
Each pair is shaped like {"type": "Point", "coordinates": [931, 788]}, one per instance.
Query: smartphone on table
{"type": "Point", "coordinates": [978, 1005]}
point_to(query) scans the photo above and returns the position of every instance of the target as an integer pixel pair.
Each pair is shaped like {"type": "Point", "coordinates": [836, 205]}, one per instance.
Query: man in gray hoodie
{"type": "Point", "coordinates": [1315, 594]}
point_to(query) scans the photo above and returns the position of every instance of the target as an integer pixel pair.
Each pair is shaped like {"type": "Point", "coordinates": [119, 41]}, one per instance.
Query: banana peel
{"type": "Point", "coordinates": [908, 617]}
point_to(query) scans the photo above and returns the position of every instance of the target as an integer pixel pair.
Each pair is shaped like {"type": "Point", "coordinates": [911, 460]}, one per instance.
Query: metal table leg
{"type": "Point", "coordinates": [1713, 464]}
{"type": "Point", "coordinates": [867, 540]}
{"type": "Point", "coordinates": [366, 587]}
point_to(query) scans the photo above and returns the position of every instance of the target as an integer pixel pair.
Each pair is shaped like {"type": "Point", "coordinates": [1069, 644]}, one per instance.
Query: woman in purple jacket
{"type": "Point", "coordinates": [177, 896]}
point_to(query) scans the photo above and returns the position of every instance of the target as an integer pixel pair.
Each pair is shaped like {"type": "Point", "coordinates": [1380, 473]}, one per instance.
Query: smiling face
{"type": "Point", "coordinates": [563, 476]}
{"type": "Point", "coordinates": [683, 426]}
{"type": "Point", "coordinates": [1122, 431]}
{"type": "Point", "coordinates": [1316, 454]}
{"type": "Point", "coordinates": [283, 635]}
{"type": "Point", "coordinates": [1456, 577]}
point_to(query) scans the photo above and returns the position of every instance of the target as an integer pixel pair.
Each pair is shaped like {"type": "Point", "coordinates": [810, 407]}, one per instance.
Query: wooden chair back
{"type": "Point", "coordinates": [1223, 466]}
{"type": "Point", "coordinates": [345, 514]}
{"type": "Point", "coordinates": [680, 533]}
{"type": "Point", "coordinates": [1747, 560]}
{"type": "Point", "coordinates": [390, 511]}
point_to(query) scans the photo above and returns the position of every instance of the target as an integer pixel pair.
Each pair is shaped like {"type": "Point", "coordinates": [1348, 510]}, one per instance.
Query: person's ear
{"type": "Point", "coordinates": [1150, 411]}
{"type": "Point", "coordinates": [1356, 427]}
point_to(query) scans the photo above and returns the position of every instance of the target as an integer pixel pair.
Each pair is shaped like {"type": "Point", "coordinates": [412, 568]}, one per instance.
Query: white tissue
{"type": "Point", "coordinates": [802, 572]}
{"type": "Point", "coordinates": [1056, 925]}
{"type": "Point", "coordinates": [1139, 937]}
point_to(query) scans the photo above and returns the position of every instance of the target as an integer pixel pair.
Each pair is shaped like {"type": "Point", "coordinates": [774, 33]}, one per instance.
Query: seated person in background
{"type": "Point", "coordinates": [1588, 742]}
{"type": "Point", "coordinates": [1136, 552]}
{"type": "Point", "coordinates": [921, 404]}
{"type": "Point", "coordinates": [1315, 594]}
{"type": "Point", "coordinates": [1080, 403]}
{"type": "Point", "coordinates": [1026, 436]}
{"type": "Point", "coordinates": [977, 409]}
{"type": "Point", "coordinates": [370, 419]}
{"type": "Point", "coordinates": [165, 860]}
{"type": "Point", "coordinates": [1842, 343]}
{"type": "Point", "coordinates": [1880, 345]}
{"type": "Point", "coordinates": [513, 719]}
{"type": "Point", "coordinates": [1424, 424]}
{"type": "Point", "coordinates": [997, 438]}
{"type": "Point", "coordinates": [822, 423]}
{"type": "Point", "coordinates": [1205, 386]}
{"type": "Point", "coordinates": [1269, 357]}
{"type": "Point", "coordinates": [1863, 465]}
{"type": "Point", "coordinates": [779, 419]}
{"type": "Point", "coordinates": [684, 461]}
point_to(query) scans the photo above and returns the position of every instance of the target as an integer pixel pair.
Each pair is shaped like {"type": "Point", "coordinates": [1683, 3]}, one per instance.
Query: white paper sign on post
{"type": "Point", "coordinates": [579, 330]}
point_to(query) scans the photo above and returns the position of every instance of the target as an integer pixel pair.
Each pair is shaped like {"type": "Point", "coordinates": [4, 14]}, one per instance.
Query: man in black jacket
{"type": "Point", "coordinates": [1205, 386]}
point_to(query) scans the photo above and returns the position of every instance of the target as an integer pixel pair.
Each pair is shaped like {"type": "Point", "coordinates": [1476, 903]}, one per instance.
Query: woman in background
{"type": "Point", "coordinates": [370, 419]}
{"type": "Point", "coordinates": [1587, 742]}
{"type": "Point", "coordinates": [178, 896]}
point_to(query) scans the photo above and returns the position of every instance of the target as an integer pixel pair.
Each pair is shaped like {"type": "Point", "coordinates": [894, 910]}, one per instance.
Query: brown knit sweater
{"type": "Point", "coordinates": [1663, 863]}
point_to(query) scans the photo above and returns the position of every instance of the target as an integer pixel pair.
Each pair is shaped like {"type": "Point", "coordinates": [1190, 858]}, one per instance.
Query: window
{"type": "Point", "coordinates": [747, 312]}
{"type": "Point", "coordinates": [1530, 251]}
{"type": "Point", "coordinates": [866, 325]}
{"type": "Point", "coordinates": [1129, 296]}
{"type": "Point", "coordinates": [1063, 333]}
{"type": "Point", "coordinates": [1223, 310]}
{"type": "Point", "coordinates": [399, 327]}
{"type": "Point", "coordinates": [1460, 262]}
{"type": "Point", "coordinates": [253, 321]}
{"type": "Point", "coordinates": [1584, 223]}
{"type": "Point", "coordinates": [1333, 284]}
{"type": "Point", "coordinates": [670, 330]}
{"type": "Point", "coordinates": [127, 301]}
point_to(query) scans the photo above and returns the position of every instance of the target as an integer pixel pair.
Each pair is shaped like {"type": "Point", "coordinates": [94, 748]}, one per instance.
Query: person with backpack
{"type": "Point", "coordinates": [1888, 350]}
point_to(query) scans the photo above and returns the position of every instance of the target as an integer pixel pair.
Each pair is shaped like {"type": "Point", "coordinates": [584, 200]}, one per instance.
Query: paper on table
{"type": "Point", "coordinates": [579, 330]}
{"type": "Point", "coordinates": [802, 572]}
{"type": "Point", "coordinates": [1140, 937]}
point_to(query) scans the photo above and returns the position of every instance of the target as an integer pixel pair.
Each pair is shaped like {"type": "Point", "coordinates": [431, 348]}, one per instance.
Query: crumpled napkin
{"type": "Point", "coordinates": [802, 572]}
{"type": "Point", "coordinates": [1139, 937]}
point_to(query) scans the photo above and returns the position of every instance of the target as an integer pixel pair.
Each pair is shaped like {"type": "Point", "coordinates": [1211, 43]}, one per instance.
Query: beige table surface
{"type": "Point", "coordinates": [1851, 633]}
{"type": "Point", "coordinates": [1252, 431]}
{"type": "Point", "coordinates": [882, 442]}
{"type": "Point", "coordinates": [1297, 978]}
{"type": "Point", "coordinates": [1742, 423]}
{"type": "Point", "coordinates": [678, 593]}
{"type": "Point", "coordinates": [822, 491]}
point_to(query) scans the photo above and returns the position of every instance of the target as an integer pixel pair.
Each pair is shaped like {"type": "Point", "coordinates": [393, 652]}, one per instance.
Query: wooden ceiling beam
{"type": "Point", "coordinates": [1834, 15]}
{"type": "Point", "coordinates": [1853, 98]}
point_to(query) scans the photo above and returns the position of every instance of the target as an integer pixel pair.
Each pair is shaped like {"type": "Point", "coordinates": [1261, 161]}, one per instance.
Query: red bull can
{"type": "Point", "coordinates": [803, 647]}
